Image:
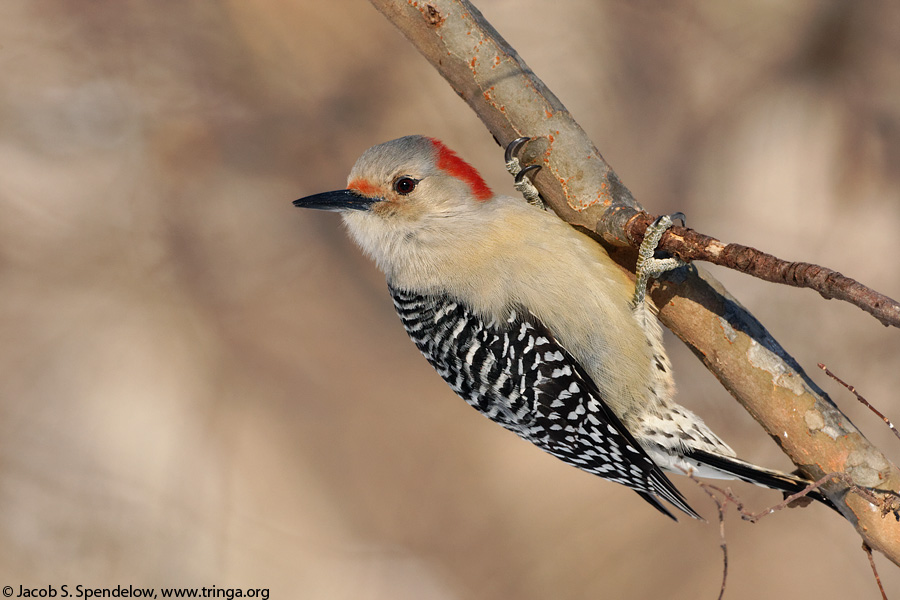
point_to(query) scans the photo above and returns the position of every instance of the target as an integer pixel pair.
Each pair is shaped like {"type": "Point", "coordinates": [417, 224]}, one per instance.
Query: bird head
{"type": "Point", "coordinates": [404, 197]}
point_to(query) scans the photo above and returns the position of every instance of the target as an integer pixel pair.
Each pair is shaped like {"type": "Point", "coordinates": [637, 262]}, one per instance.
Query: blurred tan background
{"type": "Point", "coordinates": [201, 385]}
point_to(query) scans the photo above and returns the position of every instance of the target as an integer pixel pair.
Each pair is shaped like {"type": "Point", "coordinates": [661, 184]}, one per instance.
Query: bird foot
{"type": "Point", "coordinates": [522, 183]}
{"type": "Point", "coordinates": [648, 266]}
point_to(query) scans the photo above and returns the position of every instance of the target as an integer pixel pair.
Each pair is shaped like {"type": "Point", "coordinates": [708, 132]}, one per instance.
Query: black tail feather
{"type": "Point", "coordinates": [783, 482]}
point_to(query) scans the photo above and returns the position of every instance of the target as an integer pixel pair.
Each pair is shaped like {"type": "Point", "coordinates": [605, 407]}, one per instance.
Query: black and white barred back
{"type": "Point", "coordinates": [515, 373]}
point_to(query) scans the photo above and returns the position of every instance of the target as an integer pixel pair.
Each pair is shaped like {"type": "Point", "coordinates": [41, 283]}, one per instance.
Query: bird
{"type": "Point", "coordinates": [530, 321]}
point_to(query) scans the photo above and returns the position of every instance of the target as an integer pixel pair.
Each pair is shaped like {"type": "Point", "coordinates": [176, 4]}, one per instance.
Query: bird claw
{"type": "Point", "coordinates": [522, 183]}
{"type": "Point", "coordinates": [525, 171]}
{"type": "Point", "coordinates": [513, 148]}
{"type": "Point", "coordinates": [648, 266]}
{"type": "Point", "coordinates": [675, 216]}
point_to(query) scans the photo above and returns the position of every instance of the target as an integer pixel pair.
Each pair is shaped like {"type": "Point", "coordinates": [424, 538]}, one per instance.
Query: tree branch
{"type": "Point", "coordinates": [582, 189]}
{"type": "Point", "coordinates": [691, 245]}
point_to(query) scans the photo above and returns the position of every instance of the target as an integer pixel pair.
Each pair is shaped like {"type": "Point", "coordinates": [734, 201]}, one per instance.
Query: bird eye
{"type": "Point", "coordinates": [405, 185]}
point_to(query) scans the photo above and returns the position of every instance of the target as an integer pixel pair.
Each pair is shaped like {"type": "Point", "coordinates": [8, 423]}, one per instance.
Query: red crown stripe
{"type": "Point", "coordinates": [450, 163]}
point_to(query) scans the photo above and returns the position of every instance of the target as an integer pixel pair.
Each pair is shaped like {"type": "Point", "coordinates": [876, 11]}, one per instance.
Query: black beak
{"type": "Point", "coordinates": [337, 200]}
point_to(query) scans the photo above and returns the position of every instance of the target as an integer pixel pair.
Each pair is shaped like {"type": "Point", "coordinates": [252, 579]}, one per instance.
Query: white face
{"type": "Point", "coordinates": [421, 208]}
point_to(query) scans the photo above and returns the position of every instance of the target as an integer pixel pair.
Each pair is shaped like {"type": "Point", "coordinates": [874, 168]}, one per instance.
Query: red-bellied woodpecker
{"type": "Point", "coordinates": [529, 321]}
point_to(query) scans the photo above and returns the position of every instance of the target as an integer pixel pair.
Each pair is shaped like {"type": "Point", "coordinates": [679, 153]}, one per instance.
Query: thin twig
{"type": "Point", "coordinates": [729, 498]}
{"type": "Point", "coordinates": [691, 245]}
{"type": "Point", "coordinates": [754, 517]}
{"type": "Point", "coordinates": [853, 391]}
{"type": "Point", "coordinates": [888, 502]}
{"type": "Point", "coordinates": [868, 552]}
{"type": "Point", "coordinates": [720, 505]}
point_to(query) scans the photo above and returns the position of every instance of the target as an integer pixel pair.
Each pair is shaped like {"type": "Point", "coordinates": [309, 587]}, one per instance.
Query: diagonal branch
{"type": "Point", "coordinates": [582, 189]}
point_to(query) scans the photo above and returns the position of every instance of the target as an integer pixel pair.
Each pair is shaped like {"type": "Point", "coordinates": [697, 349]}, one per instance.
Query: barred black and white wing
{"type": "Point", "coordinates": [515, 373]}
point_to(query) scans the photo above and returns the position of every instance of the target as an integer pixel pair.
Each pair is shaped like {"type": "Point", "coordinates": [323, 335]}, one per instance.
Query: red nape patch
{"type": "Point", "coordinates": [363, 186]}
{"type": "Point", "coordinates": [450, 163]}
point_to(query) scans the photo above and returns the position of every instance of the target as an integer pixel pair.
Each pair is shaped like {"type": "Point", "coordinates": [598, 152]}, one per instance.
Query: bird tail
{"type": "Point", "coordinates": [739, 469]}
